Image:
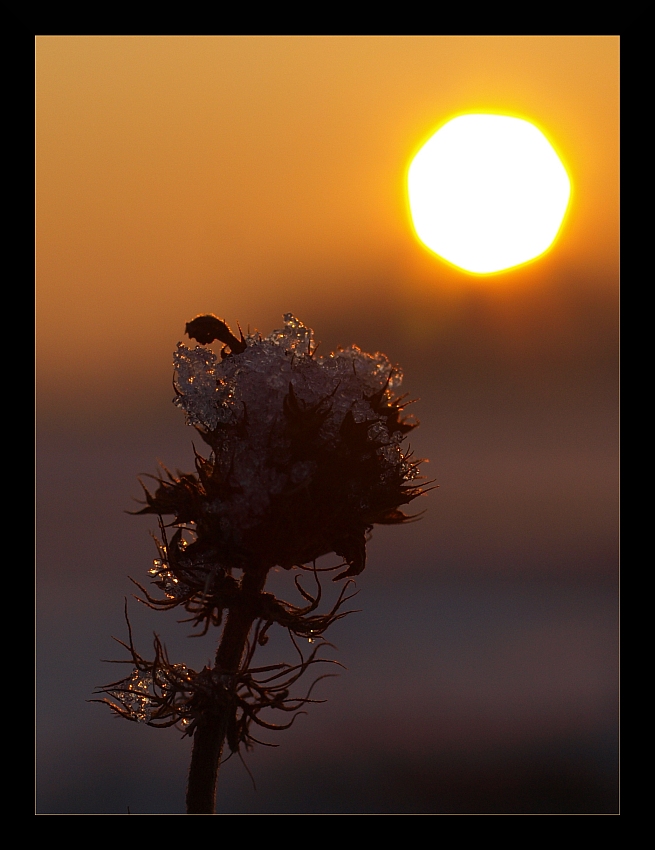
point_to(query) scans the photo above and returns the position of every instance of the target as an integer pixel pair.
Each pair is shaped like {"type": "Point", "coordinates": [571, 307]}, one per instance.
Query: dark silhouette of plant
{"type": "Point", "coordinates": [305, 457]}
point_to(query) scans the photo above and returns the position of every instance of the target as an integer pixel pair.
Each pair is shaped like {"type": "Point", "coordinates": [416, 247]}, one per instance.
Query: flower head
{"type": "Point", "coordinates": [306, 450]}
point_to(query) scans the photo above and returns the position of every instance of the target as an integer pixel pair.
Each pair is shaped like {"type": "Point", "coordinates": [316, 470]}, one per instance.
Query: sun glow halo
{"type": "Point", "coordinates": [487, 192]}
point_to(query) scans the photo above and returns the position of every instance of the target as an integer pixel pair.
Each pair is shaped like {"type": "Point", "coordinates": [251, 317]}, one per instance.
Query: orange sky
{"type": "Point", "coordinates": [248, 176]}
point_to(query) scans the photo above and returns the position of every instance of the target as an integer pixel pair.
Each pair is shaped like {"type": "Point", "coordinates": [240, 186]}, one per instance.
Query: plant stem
{"type": "Point", "coordinates": [209, 735]}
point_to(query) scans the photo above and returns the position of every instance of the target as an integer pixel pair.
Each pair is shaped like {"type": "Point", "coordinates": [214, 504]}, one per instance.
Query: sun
{"type": "Point", "coordinates": [487, 192]}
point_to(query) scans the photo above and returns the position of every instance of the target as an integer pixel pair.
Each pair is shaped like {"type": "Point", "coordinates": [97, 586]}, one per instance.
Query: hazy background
{"type": "Point", "coordinates": [251, 176]}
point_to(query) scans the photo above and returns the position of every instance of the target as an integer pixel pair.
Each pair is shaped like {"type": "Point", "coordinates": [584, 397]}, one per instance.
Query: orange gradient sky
{"type": "Point", "coordinates": [248, 176]}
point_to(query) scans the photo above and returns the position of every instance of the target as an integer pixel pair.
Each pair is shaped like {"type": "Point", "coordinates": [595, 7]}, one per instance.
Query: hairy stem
{"type": "Point", "coordinates": [209, 735]}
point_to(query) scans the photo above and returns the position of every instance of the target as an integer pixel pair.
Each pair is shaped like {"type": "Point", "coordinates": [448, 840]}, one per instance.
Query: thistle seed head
{"type": "Point", "coordinates": [306, 451]}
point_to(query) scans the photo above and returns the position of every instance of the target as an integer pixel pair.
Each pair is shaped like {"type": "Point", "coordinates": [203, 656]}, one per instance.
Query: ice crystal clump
{"type": "Point", "coordinates": [165, 579]}
{"type": "Point", "coordinates": [250, 388]}
{"type": "Point", "coordinates": [136, 696]}
{"type": "Point", "coordinates": [212, 391]}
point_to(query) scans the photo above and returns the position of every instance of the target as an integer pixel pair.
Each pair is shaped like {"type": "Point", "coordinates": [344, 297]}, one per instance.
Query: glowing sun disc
{"type": "Point", "coordinates": [487, 192]}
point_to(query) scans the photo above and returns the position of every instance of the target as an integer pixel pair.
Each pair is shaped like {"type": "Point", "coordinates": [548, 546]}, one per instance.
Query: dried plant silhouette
{"type": "Point", "coordinates": [305, 457]}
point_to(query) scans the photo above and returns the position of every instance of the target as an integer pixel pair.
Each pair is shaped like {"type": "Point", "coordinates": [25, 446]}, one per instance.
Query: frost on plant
{"type": "Point", "coordinates": [305, 455]}
{"type": "Point", "coordinates": [307, 449]}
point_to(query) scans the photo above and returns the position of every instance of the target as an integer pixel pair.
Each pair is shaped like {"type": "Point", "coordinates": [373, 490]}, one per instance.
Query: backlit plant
{"type": "Point", "coordinates": [305, 456]}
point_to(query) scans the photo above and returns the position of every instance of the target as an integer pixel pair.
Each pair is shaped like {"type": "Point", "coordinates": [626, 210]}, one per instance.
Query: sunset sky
{"type": "Point", "coordinates": [249, 176]}
{"type": "Point", "coordinates": [254, 176]}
